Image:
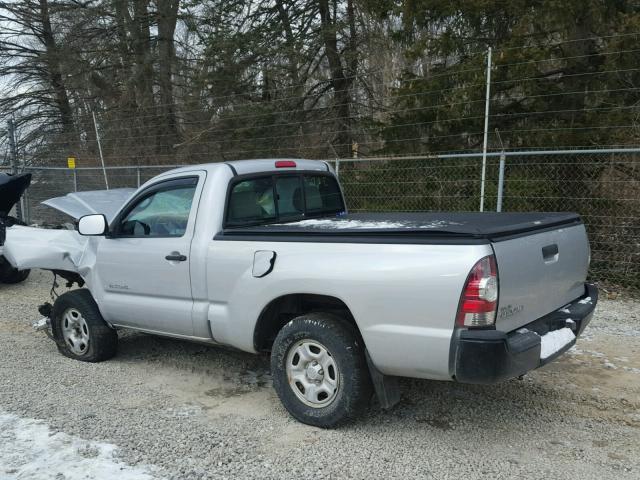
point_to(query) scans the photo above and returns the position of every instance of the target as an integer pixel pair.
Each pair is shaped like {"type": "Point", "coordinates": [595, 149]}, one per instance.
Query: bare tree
{"type": "Point", "coordinates": [31, 60]}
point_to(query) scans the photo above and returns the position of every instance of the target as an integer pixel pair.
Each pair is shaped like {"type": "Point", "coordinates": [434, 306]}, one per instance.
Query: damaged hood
{"type": "Point", "coordinates": [78, 204]}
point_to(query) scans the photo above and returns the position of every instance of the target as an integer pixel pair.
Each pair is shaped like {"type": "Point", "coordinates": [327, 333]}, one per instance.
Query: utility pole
{"type": "Point", "coordinates": [104, 170]}
{"type": "Point", "coordinates": [14, 160]}
{"type": "Point", "coordinates": [503, 158]}
{"type": "Point", "coordinates": [486, 130]}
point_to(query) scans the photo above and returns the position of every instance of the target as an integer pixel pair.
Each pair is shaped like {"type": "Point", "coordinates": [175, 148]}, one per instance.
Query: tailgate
{"type": "Point", "coordinates": [539, 273]}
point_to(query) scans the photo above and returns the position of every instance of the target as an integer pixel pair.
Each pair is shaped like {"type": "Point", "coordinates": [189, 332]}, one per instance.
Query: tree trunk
{"type": "Point", "coordinates": [290, 45]}
{"type": "Point", "coordinates": [167, 18]}
{"type": "Point", "coordinates": [340, 82]}
{"type": "Point", "coordinates": [123, 22]}
{"type": "Point", "coordinates": [54, 69]}
{"type": "Point", "coordinates": [140, 30]}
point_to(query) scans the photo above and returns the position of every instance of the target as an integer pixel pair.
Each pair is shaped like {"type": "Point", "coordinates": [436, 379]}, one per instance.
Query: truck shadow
{"type": "Point", "coordinates": [428, 405]}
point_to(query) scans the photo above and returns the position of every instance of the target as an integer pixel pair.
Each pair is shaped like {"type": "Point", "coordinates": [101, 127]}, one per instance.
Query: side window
{"type": "Point", "coordinates": [163, 213]}
{"type": "Point", "coordinates": [251, 201]}
{"type": "Point", "coordinates": [290, 196]}
{"type": "Point", "coordinates": [323, 194]}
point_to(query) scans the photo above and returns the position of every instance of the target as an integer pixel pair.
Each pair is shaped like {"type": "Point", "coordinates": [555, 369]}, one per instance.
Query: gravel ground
{"type": "Point", "coordinates": [182, 410]}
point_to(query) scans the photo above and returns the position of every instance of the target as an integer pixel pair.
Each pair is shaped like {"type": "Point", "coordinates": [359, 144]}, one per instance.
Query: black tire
{"type": "Point", "coordinates": [354, 390]}
{"type": "Point", "coordinates": [13, 275]}
{"type": "Point", "coordinates": [102, 339]}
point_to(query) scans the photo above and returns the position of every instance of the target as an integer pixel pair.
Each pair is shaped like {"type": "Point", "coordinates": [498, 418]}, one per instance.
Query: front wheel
{"type": "Point", "coordinates": [319, 370]}
{"type": "Point", "coordinates": [79, 329]}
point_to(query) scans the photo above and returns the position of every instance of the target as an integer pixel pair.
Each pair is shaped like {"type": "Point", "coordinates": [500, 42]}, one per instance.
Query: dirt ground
{"type": "Point", "coordinates": [191, 411]}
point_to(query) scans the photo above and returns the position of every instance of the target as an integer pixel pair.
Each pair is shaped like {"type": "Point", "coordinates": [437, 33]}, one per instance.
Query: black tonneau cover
{"type": "Point", "coordinates": [460, 227]}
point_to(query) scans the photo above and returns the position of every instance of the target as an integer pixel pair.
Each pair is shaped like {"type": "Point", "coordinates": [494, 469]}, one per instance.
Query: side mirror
{"type": "Point", "coordinates": [93, 225]}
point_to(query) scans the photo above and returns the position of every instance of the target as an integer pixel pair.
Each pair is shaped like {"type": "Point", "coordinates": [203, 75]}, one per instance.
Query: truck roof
{"type": "Point", "coordinates": [243, 167]}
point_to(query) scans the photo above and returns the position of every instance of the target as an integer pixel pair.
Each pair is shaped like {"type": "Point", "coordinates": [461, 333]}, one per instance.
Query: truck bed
{"type": "Point", "coordinates": [458, 227]}
{"type": "Point", "coordinates": [542, 258]}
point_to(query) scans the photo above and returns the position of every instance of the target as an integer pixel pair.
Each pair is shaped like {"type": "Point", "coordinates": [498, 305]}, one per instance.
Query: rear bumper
{"type": "Point", "coordinates": [490, 356]}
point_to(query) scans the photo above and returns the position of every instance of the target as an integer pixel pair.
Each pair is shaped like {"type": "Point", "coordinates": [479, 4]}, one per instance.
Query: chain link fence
{"type": "Point", "coordinates": [602, 185]}
{"type": "Point", "coordinates": [50, 182]}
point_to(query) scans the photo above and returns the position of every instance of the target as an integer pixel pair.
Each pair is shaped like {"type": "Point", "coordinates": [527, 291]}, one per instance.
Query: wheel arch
{"type": "Point", "coordinates": [282, 309]}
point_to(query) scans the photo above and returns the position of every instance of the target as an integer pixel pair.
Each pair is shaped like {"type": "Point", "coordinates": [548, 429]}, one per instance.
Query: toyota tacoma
{"type": "Point", "coordinates": [263, 256]}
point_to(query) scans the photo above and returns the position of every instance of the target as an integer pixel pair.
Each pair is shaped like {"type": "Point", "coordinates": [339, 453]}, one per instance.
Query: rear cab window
{"type": "Point", "coordinates": [283, 198]}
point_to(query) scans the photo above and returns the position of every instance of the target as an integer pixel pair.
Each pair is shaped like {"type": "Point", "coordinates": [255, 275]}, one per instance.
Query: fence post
{"type": "Point", "coordinates": [486, 130]}
{"type": "Point", "coordinates": [337, 167]}
{"type": "Point", "coordinates": [14, 162]}
{"type": "Point", "coordinates": [75, 180]}
{"type": "Point", "coordinates": [138, 176]}
{"type": "Point", "coordinates": [104, 170]}
{"type": "Point", "coordinates": [503, 157]}
{"type": "Point", "coordinates": [27, 208]}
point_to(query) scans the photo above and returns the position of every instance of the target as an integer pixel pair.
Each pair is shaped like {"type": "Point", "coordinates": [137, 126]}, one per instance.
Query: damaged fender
{"type": "Point", "coordinates": [66, 250]}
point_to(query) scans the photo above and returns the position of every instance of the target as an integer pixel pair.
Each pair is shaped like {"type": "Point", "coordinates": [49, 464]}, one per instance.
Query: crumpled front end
{"type": "Point", "coordinates": [59, 250]}
{"type": "Point", "coordinates": [67, 250]}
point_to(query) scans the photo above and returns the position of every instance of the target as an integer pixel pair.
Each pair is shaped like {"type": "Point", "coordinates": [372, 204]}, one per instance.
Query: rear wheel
{"type": "Point", "coordinates": [319, 370]}
{"type": "Point", "coordinates": [79, 329]}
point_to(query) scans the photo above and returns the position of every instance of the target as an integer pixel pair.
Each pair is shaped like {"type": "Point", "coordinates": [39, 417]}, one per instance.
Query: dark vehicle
{"type": "Point", "coordinates": [11, 189]}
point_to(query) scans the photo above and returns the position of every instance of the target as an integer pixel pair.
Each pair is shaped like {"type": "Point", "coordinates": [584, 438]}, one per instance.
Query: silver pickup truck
{"type": "Point", "coordinates": [262, 256]}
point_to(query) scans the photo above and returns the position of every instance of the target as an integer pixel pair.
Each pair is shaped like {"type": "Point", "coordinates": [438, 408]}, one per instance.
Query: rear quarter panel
{"type": "Point", "coordinates": [403, 297]}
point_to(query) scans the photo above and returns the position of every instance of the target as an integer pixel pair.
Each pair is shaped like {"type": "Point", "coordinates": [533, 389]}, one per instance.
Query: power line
{"type": "Point", "coordinates": [557, 59]}
{"type": "Point", "coordinates": [575, 40]}
{"type": "Point", "coordinates": [217, 130]}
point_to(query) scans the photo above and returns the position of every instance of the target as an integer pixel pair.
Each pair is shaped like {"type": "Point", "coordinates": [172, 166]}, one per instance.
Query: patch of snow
{"type": "Point", "coordinates": [569, 321]}
{"type": "Point", "coordinates": [631, 369]}
{"type": "Point", "coordinates": [594, 354]}
{"type": "Point", "coordinates": [438, 224]}
{"type": "Point", "coordinates": [372, 224]}
{"type": "Point", "coordinates": [340, 224]}
{"type": "Point", "coordinates": [522, 330]}
{"type": "Point", "coordinates": [554, 341]}
{"type": "Point", "coordinates": [30, 450]}
{"type": "Point", "coordinates": [584, 301]}
{"type": "Point", "coordinates": [183, 411]}
{"type": "Point", "coordinates": [609, 365]}
{"type": "Point", "coordinates": [564, 310]}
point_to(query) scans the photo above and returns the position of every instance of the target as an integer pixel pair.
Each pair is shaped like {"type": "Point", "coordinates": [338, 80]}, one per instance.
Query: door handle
{"type": "Point", "coordinates": [550, 253]}
{"type": "Point", "coordinates": [175, 257]}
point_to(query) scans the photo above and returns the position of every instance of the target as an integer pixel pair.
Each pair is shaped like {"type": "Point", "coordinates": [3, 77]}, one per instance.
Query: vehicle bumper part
{"type": "Point", "coordinates": [490, 356]}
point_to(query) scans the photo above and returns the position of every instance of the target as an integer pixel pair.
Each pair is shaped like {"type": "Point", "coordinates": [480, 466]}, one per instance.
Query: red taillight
{"type": "Point", "coordinates": [479, 299]}
{"type": "Point", "coordinates": [285, 164]}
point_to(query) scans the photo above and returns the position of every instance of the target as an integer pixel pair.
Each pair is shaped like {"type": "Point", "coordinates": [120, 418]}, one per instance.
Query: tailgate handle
{"type": "Point", "coordinates": [550, 253]}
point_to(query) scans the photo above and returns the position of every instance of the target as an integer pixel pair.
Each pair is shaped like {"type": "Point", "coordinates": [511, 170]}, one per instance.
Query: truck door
{"type": "Point", "coordinates": [143, 265]}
